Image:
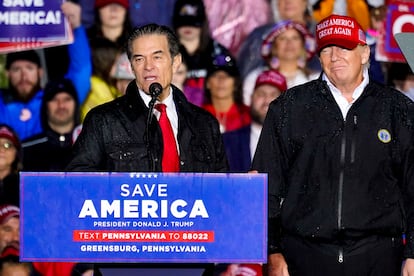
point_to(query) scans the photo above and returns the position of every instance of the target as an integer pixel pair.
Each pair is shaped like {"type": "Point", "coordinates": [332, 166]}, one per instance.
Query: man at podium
{"type": "Point", "coordinates": [152, 128]}
{"type": "Point", "coordinates": [125, 136]}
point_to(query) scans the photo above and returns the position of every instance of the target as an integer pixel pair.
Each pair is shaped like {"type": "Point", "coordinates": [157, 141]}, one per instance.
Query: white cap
{"type": "Point", "coordinates": [123, 68]}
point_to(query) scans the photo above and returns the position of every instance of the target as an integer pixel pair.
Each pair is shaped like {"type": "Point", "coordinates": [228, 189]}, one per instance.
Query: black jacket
{"type": "Point", "coordinates": [48, 151]}
{"type": "Point", "coordinates": [332, 179]}
{"type": "Point", "coordinates": [10, 189]}
{"type": "Point", "coordinates": [113, 138]}
{"type": "Point", "coordinates": [237, 145]}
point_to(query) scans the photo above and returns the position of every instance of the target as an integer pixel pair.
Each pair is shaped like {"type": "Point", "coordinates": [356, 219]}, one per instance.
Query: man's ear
{"type": "Point", "coordinates": [177, 60]}
{"type": "Point", "coordinates": [365, 54]}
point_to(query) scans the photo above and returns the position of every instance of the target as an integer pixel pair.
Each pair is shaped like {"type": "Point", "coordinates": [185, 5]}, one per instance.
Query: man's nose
{"type": "Point", "coordinates": [335, 54]}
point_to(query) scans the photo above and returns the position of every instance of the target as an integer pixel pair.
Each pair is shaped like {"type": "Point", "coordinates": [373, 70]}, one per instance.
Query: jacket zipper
{"type": "Point", "coordinates": [341, 177]}
{"type": "Point", "coordinates": [340, 190]}
{"type": "Point", "coordinates": [341, 181]}
{"type": "Point", "coordinates": [341, 256]}
{"type": "Point", "coordinates": [353, 139]}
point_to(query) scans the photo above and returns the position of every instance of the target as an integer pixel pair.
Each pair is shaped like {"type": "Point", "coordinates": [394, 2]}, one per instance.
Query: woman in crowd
{"type": "Point", "coordinates": [223, 93]}
{"type": "Point", "coordinates": [286, 48]}
{"type": "Point", "coordinates": [10, 165]}
{"type": "Point", "coordinates": [103, 85]}
{"type": "Point", "coordinates": [192, 28]}
{"type": "Point", "coordinates": [112, 21]}
{"type": "Point", "coordinates": [249, 56]}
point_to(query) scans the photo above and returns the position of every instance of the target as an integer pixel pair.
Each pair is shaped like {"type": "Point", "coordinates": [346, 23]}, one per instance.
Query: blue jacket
{"type": "Point", "coordinates": [24, 117]}
{"type": "Point", "coordinates": [80, 65]}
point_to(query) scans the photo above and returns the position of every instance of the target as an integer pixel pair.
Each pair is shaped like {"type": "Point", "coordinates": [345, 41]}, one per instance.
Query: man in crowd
{"type": "Point", "coordinates": [21, 102]}
{"type": "Point", "coordinates": [9, 227]}
{"type": "Point", "coordinates": [10, 238]}
{"type": "Point", "coordinates": [51, 150]}
{"type": "Point", "coordinates": [241, 144]}
{"type": "Point", "coordinates": [340, 160]}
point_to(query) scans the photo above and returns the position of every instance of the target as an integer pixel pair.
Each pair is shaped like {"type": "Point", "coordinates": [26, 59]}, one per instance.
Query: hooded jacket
{"type": "Point", "coordinates": [334, 180]}
{"type": "Point", "coordinates": [113, 138]}
{"type": "Point", "coordinates": [49, 150]}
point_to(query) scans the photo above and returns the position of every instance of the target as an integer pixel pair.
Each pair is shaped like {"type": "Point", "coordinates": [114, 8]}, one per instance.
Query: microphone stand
{"type": "Point", "coordinates": [147, 133]}
{"type": "Point", "coordinates": [155, 89]}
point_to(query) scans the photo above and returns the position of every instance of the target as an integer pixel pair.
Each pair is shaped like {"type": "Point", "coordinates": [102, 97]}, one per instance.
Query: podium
{"type": "Point", "coordinates": [146, 218]}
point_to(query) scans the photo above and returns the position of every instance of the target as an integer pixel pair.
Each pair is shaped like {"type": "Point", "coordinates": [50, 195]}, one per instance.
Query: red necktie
{"type": "Point", "coordinates": [170, 161]}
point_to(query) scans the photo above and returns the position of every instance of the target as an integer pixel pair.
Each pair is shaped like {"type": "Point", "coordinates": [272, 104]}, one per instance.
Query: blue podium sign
{"type": "Point", "coordinates": [143, 217]}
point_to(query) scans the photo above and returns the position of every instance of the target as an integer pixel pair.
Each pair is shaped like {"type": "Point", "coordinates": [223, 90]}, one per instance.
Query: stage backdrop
{"type": "Point", "coordinates": [143, 217]}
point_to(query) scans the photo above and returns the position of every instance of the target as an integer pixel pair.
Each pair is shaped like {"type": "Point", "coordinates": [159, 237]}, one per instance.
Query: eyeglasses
{"type": "Point", "coordinates": [6, 146]}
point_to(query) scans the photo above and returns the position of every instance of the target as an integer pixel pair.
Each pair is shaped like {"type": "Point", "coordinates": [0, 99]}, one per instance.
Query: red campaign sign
{"type": "Point", "coordinates": [399, 18]}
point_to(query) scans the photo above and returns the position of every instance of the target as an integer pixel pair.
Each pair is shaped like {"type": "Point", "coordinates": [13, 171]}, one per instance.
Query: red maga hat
{"type": "Point", "coordinates": [9, 135]}
{"type": "Point", "coordinates": [339, 30]}
{"type": "Point", "coordinates": [102, 3]}
{"type": "Point", "coordinates": [7, 212]}
{"type": "Point", "coordinates": [272, 77]}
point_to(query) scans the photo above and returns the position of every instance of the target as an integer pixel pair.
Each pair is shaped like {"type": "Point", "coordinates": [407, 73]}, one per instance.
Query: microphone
{"type": "Point", "coordinates": [155, 89]}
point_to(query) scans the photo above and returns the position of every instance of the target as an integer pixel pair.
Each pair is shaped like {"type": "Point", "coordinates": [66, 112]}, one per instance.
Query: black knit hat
{"type": "Point", "coordinates": [56, 86]}
{"type": "Point", "coordinates": [30, 55]}
{"type": "Point", "coordinates": [52, 88]}
{"type": "Point", "coordinates": [223, 62]}
{"type": "Point", "coordinates": [189, 13]}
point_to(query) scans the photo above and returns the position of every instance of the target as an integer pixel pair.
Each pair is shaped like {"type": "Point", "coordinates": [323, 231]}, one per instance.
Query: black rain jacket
{"type": "Point", "coordinates": [114, 138]}
{"type": "Point", "coordinates": [332, 180]}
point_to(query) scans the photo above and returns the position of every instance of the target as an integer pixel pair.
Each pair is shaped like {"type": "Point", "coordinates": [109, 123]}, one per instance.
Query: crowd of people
{"type": "Point", "coordinates": [311, 93]}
